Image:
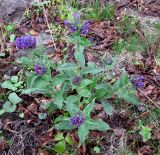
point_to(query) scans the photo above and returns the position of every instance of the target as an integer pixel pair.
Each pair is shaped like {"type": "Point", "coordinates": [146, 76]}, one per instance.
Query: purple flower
{"type": "Point", "coordinates": [85, 28]}
{"type": "Point", "coordinates": [72, 27]}
{"type": "Point", "coordinates": [138, 81]}
{"type": "Point", "coordinates": [77, 120]}
{"type": "Point", "coordinates": [76, 80]}
{"type": "Point", "coordinates": [39, 69]}
{"type": "Point", "coordinates": [25, 42]}
{"type": "Point", "coordinates": [66, 22]}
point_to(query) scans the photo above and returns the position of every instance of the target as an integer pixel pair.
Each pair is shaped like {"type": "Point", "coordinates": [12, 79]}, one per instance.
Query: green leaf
{"type": "Point", "coordinates": [84, 92]}
{"type": "Point", "coordinates": [60, 147]}
{"type": "Point", "coordinates": [69, 139]}
{"type": "Point", "coordinates": [8, 85]}
{"type": "Point", "coordinates": [103, 90]}
{"type": "Point", "coordinates": [84, 42]}
{"type": "Point", "coordinates": [145, 133]}
{"type": "Point", "coordinates": [96, 125]}
{"type": "Point", "coordinates": [21, 115]}
{"type": "Point", "coordinates": [121, 83]}
{"type": "Point", "coordinates": [82, 134]}
{"type": "Point", "coordinates": [18, 84]}
{"type": "Point", "coordinates": [14, 79]}
{"type": "Point", "coordinates": [12, 38]}
{"type": "Point", "coordinates": [107, 108]}
{"type": "Point", "coordinates": [87, 110]}
{"type": "Point", "coordinates": [34, 91]}
{"type": "Point", "coordinates": [58, 99]}
{"type": "Point", "coordinates": [58, 119]}
{"type": "Point", "coordinates": [14, 98]}
{"type": "Point", "coordinates": [64, 125]}
{"type": "Point", "coordinates": [129, 97]}
{"type": "Point", "coordinates": [58, 80]}
{"type": "Point", "coordinates": [59, 136]}
{"type": "Point", "coordinates": [72, 98]}
{"type": "Point", "coordinates": [42, 115]}
{"type": "Point", "coordinates": [96, 149]}
{"type": "Point", "coordinates": [36, 81]}
{"type": "Point", "coordinates": [8, 107]}
{"type": "Point", "coordinates": [68, 66]}
{"type": "Point", "coordinates": [79, 56]}
{"type": "Point", "coordinates": [2, 112]}
{"type": "Point", "coordinates": [85, 82]}
{"type": "Point", "coordinates": [92, 69]}
{"type": "Point", "coordinates": [71, 108]}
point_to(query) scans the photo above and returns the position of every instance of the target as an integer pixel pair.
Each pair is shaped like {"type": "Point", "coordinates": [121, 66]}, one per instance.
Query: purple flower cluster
{"type": "Point", "coordinates": [77, 120]}
{"type": "Point", "coordinates": [25, 42]}
{"type": "Point", "coordinates": [85, 28]}
{"type": "Point", "coordinates": [71, 26]}
{"type": "Point", "coordinates": [39, 69]}
{"type": "Point", "coordinates": [138, 81]}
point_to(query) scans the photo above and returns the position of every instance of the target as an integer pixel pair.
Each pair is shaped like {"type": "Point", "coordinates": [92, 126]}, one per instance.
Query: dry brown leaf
{"type": "Point", "coordinates": [34, 33]}
{"type": "Point", "coordinates": [119, 132]}
{"type": "Point", "coordinates": [33, 108]}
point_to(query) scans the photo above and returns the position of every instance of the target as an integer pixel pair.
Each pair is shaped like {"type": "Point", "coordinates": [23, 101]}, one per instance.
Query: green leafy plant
{"type": "Point", "coordinates": [131, 43]}
{"type": "Point", "coordinates": [58, 31]}
{"type": "Point", "coordinates": [62, 142]}
{"type": "Point", "coordinates": [9, 31]}
{"type": "Point", "coordinates": [98, 12]}
{"type": "Point", "coordinates": [127, 25]}
{"type": "Point", "coordinates": [96, 149]}
{"type": "Point", "coordinates": [15, 86]}
{"type": "Point", "coordinates": [75, 88]}
{"type": "Point", "coordinates": [145, 132]}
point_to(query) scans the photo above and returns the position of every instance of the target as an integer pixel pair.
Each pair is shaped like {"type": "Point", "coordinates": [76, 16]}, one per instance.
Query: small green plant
{"type": "Point", "coordinates": [62, 142]}
{"type": "Point", "coordinates": [58, 31]}
{"type": "Point", "coordinates": [145, 132]}
{"type": "Point", "coordinates": [15, 86]}
{"type": "Point", "coordinates": [10, 28]}
{"type": "Point", "coordinates": [98, 12]}
{"type": "Point", "coordinates": [131, 43]}
{"type": "Point", "coordinates": [96, 149]}
{"type": "Point", "coordinates": [9, 31]}
{"type": "Point", "coordinates": [127, 25]}
{"type": "Point", "coordinates": [39, 6]}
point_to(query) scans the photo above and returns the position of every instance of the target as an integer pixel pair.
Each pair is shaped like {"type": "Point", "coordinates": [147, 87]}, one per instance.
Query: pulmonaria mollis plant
{"type": "Point", "coordinates": [25, 42]}
{"type": "Point", "coordinates": [75, 88]}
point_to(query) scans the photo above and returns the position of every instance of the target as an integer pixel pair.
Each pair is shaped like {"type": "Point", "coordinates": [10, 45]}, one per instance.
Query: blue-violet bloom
{"type": "Point", "coordinates": [138, 81]}
{"type": "Point", "coordinates": [77, 120]}
{"type": "Point", "coordinates": [39, 69]}
{"type": "Point", "coordinates": [66, 22]}
{"type": "Point", "coordinates": [85, 28]}
{"type": "Point", "coordinates": [71, 26]}
{"type": "Point", "coordinates": [76, 80]}
{"type": "Point", "coordinates": [25, 42]}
